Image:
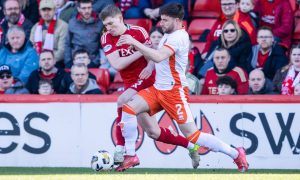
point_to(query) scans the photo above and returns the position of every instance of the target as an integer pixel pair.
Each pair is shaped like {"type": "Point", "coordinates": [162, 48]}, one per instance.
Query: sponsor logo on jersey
{"type": "Point", "coordinates": [107, 48]}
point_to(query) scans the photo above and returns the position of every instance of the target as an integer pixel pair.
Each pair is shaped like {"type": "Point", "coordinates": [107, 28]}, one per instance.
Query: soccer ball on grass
{"type": "Point", "coordinates": [102, 161]}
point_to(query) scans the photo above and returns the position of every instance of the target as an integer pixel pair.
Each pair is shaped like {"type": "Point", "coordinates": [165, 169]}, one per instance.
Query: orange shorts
{"type": "Point", "coordinates": [174, 102]}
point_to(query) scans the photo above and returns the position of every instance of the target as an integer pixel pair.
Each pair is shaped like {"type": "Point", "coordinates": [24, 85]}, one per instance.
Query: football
{"type": "Point", "coordinates": [102, 161]}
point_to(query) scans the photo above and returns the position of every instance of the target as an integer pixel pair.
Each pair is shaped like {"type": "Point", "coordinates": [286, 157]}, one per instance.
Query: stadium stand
{"type": "Point", "coordinates": [102, 78]}
{"type": "Point", "coordinates": [145, 23]}
{"type": "Point", "coordinates": [199, 26]}
{"type": "Point", "coordinates": [206, 9]}
{"type": "Point", "coordinates": [116, 84]}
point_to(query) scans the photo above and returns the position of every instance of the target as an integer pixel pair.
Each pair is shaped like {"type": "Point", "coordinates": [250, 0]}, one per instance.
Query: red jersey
{"type": "Point", "coordinates": [131, 73]}
{"type": "Point", "coordinates": [237, 73]}
{"type": "Point", "coordinates": [261, 59]}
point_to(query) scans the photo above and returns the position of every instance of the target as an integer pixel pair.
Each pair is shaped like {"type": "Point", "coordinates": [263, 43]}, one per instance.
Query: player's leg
{"type": "Point", "coordinates": [119, 150]}
{"type": "Point", "coordinates": [179, 109]}
{"type": "Point", "coordinates": [215, 144]}
{"type": "Point", "coordinates": [129, 130]}
{"type": "Point", "coordinates": [165, 135]}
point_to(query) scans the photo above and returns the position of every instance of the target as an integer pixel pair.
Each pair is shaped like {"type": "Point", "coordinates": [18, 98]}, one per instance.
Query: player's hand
{"type": "Point", "coordinates": [146, 72]}
{"type": "Point", "coordinates": [125, 39]}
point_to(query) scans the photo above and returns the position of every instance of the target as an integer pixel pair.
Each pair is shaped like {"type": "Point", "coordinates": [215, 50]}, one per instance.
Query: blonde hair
{"type": "Point", "coordinates": [238, 31]}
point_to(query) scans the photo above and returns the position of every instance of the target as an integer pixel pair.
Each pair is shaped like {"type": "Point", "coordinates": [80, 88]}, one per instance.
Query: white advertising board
{"type": "Point", "coordinates": [67, 135]}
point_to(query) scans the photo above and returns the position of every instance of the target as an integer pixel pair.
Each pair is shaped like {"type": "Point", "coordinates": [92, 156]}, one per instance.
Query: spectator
{"type": "Point", "coordinates": [84, 33]}
{"type": "Point", "coordinates": [132, 9]}
{"type": "Point", "coordinates": [224, 66]}
{"type": "Point", "coordinates": [49, 33]}
{"type": "Point", "coordinates": [47, 71]}
{"type": "Point", "coordinates": [287, 77]}
{"type": "Point", "coordinates": [153, 13]}
{"type": "Point", "coordinates": [82, 84]}
{"type": "Point", "coordinates": [9, 85]}
{"type": "Point", "coordinates": [229, 11]}
{"type": "Point", "coordinates": [236, 41]}
{"type": "Point", "coordinates": [30, 9]}
{"type": "Point", "coordinates": [246, 7]}
{"type": "Point", "coordinates": [19, 54]}
{"type": "Point", "coordinates": [258, 84]}
{"type": "Point", "coordinates": [267, 55]}
{"type": "Point", "coordinates": [156, 33]}
{"type": "Point", "coordinates": [226, 85]}
{"type": "Point", "coordinates": [98, 5]}
{"type": "Point", "coordinates": [80, 56]}
{"type": "Point", "coordinates": [278, 15]}
{"type": "Point", "coordinates": [297, 89]}
{"type": "Point", "coordinates": [13, 16]}
{"type": "Point", "coordinates": [65, 9]}
{"type": "Point", "coordinates": [45, 87]}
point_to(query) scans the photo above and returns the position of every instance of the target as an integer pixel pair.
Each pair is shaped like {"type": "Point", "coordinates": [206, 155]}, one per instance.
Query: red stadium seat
{"type": "Point", "coordinates": [198, 26]}
{"type": "Point", "coordinates": [293, 4]}
{"type": "Point", "coordinates": [102, 78]}
{"type": "Point", "coordinates": [206, 9]}
{"type": "Point", "coordinates": [145, 23]}
{"type": "Point", "coordinates": [199, 45]}
{"type": "Point", "coordinates": [116, 85]}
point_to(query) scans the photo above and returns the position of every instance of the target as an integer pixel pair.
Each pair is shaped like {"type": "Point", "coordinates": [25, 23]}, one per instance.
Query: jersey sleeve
{"type": "Point", "coordinates": [107, 44]}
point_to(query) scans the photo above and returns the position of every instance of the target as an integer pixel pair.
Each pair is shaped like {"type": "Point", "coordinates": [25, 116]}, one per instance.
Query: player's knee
{"type": "Point", "coordinates": [121, 100]}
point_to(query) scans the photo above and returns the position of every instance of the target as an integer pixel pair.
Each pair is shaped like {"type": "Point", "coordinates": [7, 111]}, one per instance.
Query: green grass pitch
{"type": "Point", "coordinates": [8, 173]}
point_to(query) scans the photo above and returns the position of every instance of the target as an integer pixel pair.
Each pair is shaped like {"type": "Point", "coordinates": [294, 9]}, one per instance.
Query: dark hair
{"type": "Point", "coordinates": [155, 28]}
{"type": "Point", "coordinates": [109, 11]}
{"type": "Point", "coordinates": [174, 10]}
{"type": "Point", "coordinates": [222, 49]}
{"type": "Point", "coordinates": [84, 2]}
{"type": "Point", "coordinates": [228, 81]}
{"type": "Point", "coordinates": [265, 28]}
{"type": "Point", "coordinates": [45, 81]}
{"type": "Point", "coordinates": [80, 51]}
{"type": "Point", "coordinates": [47, 51]}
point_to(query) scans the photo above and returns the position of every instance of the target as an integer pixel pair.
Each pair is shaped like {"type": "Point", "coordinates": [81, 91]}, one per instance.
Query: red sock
{"type": "Point", "coordinates": [119, 136]}
{"type": "Point", "coordinates": [169, 137]}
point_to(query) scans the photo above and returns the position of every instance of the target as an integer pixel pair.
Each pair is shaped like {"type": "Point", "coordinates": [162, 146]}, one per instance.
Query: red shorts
{"type": "Point", "coordinates": [141, 84]}
{"type": "Point", "coordinates": [173, 101]}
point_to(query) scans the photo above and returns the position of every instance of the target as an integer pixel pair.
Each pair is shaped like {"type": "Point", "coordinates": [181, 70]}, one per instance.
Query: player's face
{"type": "Point", "coordinates": [230, 33]}
{"type": "Point", "coordinates": [256, 81]}
{"type": "Point", "coordinates": [225, 89]}
{"type": "Point", "coordinates": [79, 76]}
{"type": "Point", "coordinates": [47, 61]}
{"type": "Point", "coordinates": [265, 39]}
{"type": "Point", "coordinates": [295, 57]}
{"type": "Point", "coordinates": [297, 89]}
{"type": "Point", "coordinates": [221, 60]}
{"type": "Point", "coordinates": [229, 7]}
{"type": "Point", "coordinates": [167, 24]}
{"type": "Point", "coordinates": [113, 25]}
{"type": "Point", "coordinates": [155, 38]}
{"type": "Point", "coordinates": [246, 6]}
{"type": "Point", "coordinates": [85, 10]}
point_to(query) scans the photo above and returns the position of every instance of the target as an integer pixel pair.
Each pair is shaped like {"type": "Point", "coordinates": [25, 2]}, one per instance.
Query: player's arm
{"type": "Point", "coordinates": [120, 63]}
{"type": "Point", "coordinates": [153, 54]}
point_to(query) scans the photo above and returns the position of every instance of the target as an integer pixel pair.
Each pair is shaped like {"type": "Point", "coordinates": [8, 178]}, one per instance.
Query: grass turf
{"type": "Point", "coordinates": [144, 174]}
